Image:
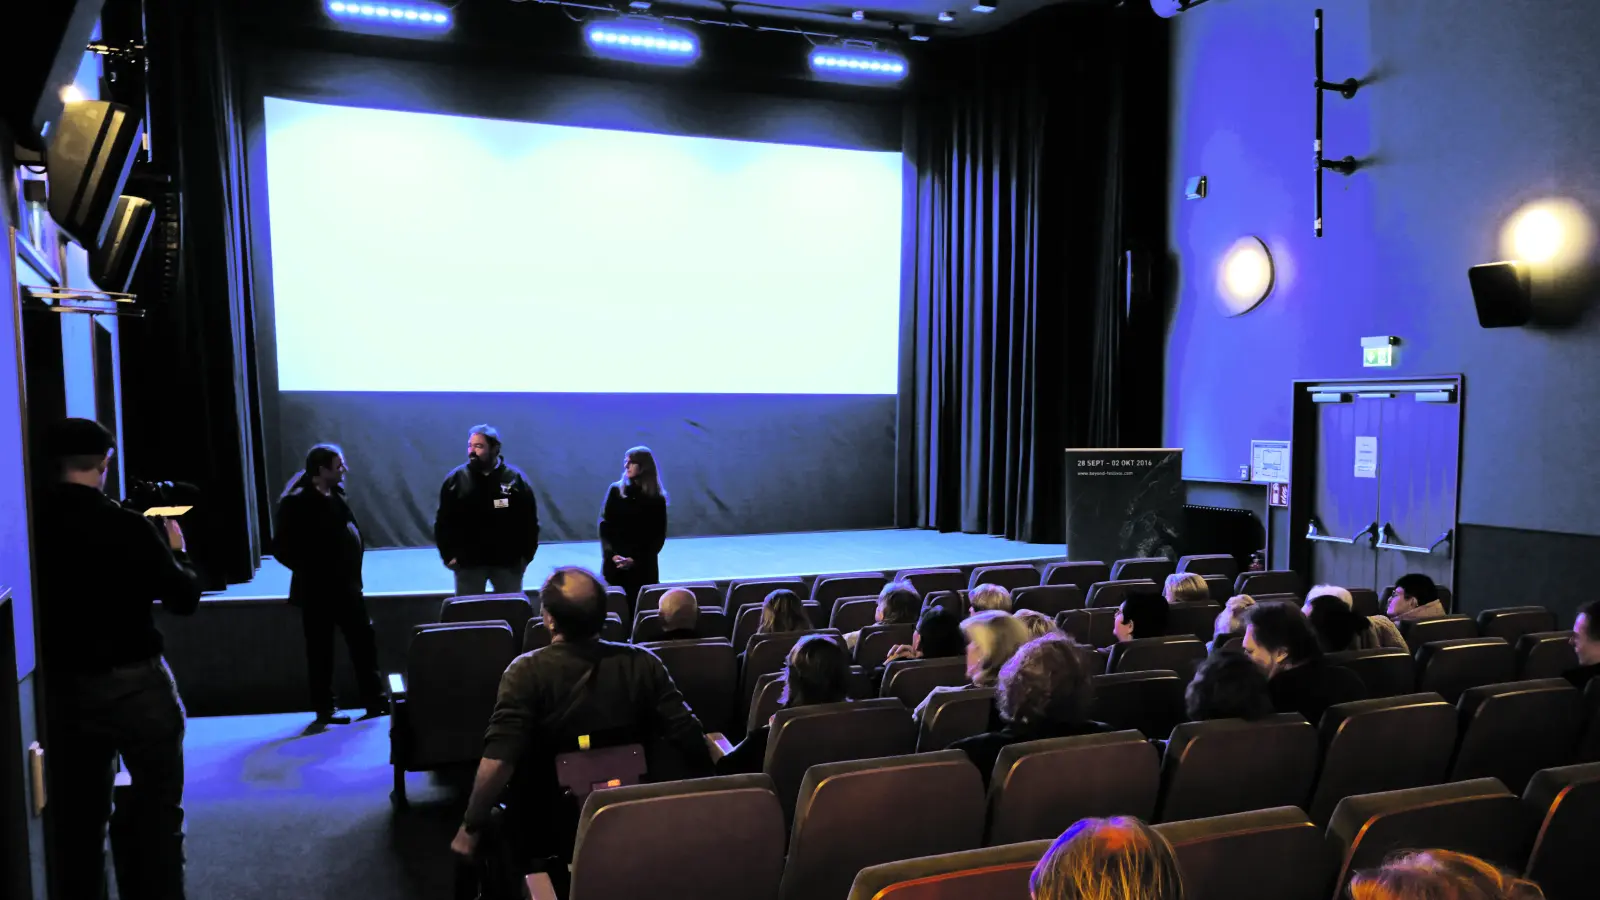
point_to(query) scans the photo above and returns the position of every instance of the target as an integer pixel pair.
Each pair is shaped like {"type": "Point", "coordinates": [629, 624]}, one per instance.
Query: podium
{"type": "Point", "coordinates": [1123, 503]}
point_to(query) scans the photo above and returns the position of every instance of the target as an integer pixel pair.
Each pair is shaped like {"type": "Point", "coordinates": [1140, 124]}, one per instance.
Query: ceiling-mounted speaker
{"type": "Point", "coordinates": [1502, 291]}
{"type": "Point", "coordinates": [39, 67]}
{"type": "Point", "coordinates": [91, 152]}
{"type": "Point", "coordinates": [113, 263]}
{"type": "Point", "coordinates": [1166, 9]}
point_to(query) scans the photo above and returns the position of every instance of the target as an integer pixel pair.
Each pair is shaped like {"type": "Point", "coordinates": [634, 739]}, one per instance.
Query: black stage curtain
{"type": "Point", "coordinates": [1032, 322]}
{"type": "Point", "coordinates": [189, 382]}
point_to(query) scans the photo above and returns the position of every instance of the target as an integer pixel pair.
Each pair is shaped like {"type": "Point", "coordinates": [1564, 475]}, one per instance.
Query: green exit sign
{"type": "Point", "coordinates": [1377, 357]}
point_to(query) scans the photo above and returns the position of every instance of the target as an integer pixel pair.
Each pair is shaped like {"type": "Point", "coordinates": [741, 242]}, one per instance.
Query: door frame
{"type": "Point", "coordinates": [1303, 462]}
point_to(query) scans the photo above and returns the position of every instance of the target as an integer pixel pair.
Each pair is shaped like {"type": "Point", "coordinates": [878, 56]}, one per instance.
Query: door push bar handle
{"type": "Point", "coordinates": [1314, 533]}
{"type": "Point", "coordinates": [1387, 542]}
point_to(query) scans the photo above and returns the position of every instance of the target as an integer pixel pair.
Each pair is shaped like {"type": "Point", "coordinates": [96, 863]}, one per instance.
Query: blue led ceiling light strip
{"type": "Point", "coordinates": [855, 63]}
{"type": "Point", "coordinates": [645, 41]}
{"type": "Point", "coordinates": [405, 15]}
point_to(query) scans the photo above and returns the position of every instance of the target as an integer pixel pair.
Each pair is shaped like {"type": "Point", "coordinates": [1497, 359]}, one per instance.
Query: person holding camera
{"type": "Point", "coordinates": [107, 689]}
{"type": "Point", "coordinates": [319, 541]}
{"type": "Point", "coordinates": [487, 527]}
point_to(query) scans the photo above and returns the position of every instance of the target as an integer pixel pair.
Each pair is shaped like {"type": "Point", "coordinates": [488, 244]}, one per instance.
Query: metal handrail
{"type": "Point", "coordinates": [1314, 533]}
{"type": "Point", "coordinates": [1387, 542]}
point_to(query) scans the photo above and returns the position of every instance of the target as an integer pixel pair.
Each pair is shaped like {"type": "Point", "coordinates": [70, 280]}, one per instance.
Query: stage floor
{"type": "Point", "coordinates": [418, 570]}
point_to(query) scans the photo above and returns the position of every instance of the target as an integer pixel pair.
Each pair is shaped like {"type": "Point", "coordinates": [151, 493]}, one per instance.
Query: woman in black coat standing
{"type": "Point", "coordinates": [633, 525]}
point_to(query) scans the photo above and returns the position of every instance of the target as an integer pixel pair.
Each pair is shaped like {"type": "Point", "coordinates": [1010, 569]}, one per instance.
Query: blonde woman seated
{"type": "Point", "coordinates": [1108, 859]}
{"type": "Point", "coordinates": [986, 597]}
{"type": "Point", "coordinates": [992, 639]}
{"type": "Point", "coordinates": [1186, 587]}
{"type": "Point", "coordinates": [1331, 610]}
{"type": "Point", "coordinates": [1039, 624]}
{"type": "Point", "coordinates": [1435, 874]}
{"type": "Point", "coordinates": [898, 604]}
{"type": "Point", "coordinates": [1230, 621]}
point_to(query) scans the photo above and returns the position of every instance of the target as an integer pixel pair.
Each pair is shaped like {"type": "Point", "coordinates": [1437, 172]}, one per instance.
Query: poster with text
{"type": "Point", "coordinates": [1123, 504]}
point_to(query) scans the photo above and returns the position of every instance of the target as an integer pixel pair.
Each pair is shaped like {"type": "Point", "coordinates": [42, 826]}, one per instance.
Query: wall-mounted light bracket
{"type": "Point", "coordinates": [1346, 89]}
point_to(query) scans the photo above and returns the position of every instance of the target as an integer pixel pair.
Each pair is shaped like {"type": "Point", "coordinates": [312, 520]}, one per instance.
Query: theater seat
{"type": "Point", "coordinates": [764, 703]}
{"type": "Point", "coordinates": [742, 592]}
{"type": "Point", "coordinates": [1050, 599]}
{"type": "Point", "coordinates": [1269, 853]}
{"type": "Point", "coordinates": [1589, 744]}
{"type": "Point", "coordinates": [1094, 626]}
{"type": "Point", "coordinates": [1478, 817]}
{"type": "Point", "coordinates": [1209, 565]}
{"type": "Point", "coordinates": [711, 623]}
{"type": "Point", "coordinates": [768, 653]}
{"type": "Point", "coordinates": [1000, 873]}
{"type": "Point", "coordinates": [929, 580]}
{"type": "Point", "coordinates": [1149, 702]}
{"type": "Point", "coordinates": [852, 815]}
{"type": "Point", "coordinates": [1154, 568]}
{"type": "Point", "coordinates": [1180, 653]}
{"type": "Point", "coordinates": [707, 674]}
{"type": "Point", "coordinates": [877, 640]}
{"type": "Point", "coordinates": [1386, 671]}
{"type": "Point", "coordinates": [617, 604]}
{"type": "Point", "coordinates": [1010, 577]}
{"type": "Point", "coordinates": [632, 843]}
{"type": "Point", "coordinates": [1510, 731]}
{"type": "Point", "coordinates": [512, 609]}
{"type": "Point", "coordinates": [1195, 618]}
{"type": "Point", "coordinates": [441, 707]}
{"type": "Point", "coordinates": [829, 588]}
{"type": "Point", "coordinates": [1277, 581]}
{"type": "Point", "coordinates": [705, 594]}
{"type": "Point", "coordinates": [1385, 744]}
{"type": "Point", "coordinates": [1112, 593]}
{"type": "Point", "coordinates": [1444, 628]}
{"type": "Point", "coordinates": [807, 736]}
{"type": "Point", "coordinates": [910, 680]}
{"type": "Point", "coordinates": [953, 715]}
{"type": "Point", "coordinates": [1081, 574]}
{"type": "Point", "coordinates": [1449, 667]}
{"type": "Point", "coordinates": [1512, 622]}
{"type": "Point", "coordinates": [1545, 654]}
{"type": "Point", "coordinates": [1039, 788]}
{"type": "Point", "coordinates": [1566, 803]}
{"type": "Point", "coordinates": [953, 601]}
{"type": "Point", "coordinates": [853, 614]}
{"type": "Point", "coordinates": [1230, 765]}
{"type": "Point", "coordinates": [1365, 602]}
{"type": "Point", "coordinates": [1220, 587]}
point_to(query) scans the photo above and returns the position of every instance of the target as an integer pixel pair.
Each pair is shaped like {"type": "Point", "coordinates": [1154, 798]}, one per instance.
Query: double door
{"type": "Point", "coordinates": [1386, 462]}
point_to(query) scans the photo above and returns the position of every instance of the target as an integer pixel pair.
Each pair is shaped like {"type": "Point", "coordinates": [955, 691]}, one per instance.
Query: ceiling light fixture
{"type": "Point", "coordinates": [985, 7]}
{"type": "Point", "coordinates": [406, 15]}
{"type": "Point", "coordinates": [947, 17]}
{"type": "Point", "coordinates": [858, 61]}
{"type": "Point", "coordinates": [919, 33]}
{"type": "Point", "coordinates": [643, 40]}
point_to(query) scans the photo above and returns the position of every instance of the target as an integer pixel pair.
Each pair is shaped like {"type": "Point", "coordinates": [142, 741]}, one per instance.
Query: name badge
{"type": "Point", "coordinates": [502, 502]}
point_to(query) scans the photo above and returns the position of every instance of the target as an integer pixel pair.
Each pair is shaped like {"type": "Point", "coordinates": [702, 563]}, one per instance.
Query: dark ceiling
{"type": "Point", "coordinates": [880, 17]}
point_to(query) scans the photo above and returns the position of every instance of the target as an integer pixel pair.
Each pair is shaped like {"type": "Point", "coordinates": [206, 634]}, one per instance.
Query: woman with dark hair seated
{"type": "Point", "coordinates": [1141, 616]}
{"type": "Point", "coordinates": [1279, 640]}
{"type": "Point", "coordinates": [1045, 691]}
{"type": "Point", "coordinates": [1227, 686]}
{"type": "Point", "coordinates": [817, 671]}
{"type": "Point", "coordinates": [938, 635]}
{"type": "Point", "coordinates": [1331, 611]}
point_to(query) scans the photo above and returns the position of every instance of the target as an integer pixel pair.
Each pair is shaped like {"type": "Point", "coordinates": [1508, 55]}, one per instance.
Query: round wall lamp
{"type": "Point", "coordinates": [1245, 277]}
{"type": "Point", "coordinates": [1552, 233]}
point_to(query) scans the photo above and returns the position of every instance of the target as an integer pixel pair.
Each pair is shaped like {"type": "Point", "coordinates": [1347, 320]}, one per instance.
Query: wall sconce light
{"type": "Point", "coordinates": [1548, 275]}
{"type": "Point", "coordinates": [1555, 232]}
{"type": "Point", "coordinates": [1245, 276]}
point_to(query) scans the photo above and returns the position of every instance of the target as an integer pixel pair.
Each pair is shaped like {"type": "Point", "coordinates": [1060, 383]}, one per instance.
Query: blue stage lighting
{"type": "Point", "coordinates": [407, 15]}
{"type": "Point", "coordinates": [852, 63]}
{"type": "Point", "coordinates": [645, 40]}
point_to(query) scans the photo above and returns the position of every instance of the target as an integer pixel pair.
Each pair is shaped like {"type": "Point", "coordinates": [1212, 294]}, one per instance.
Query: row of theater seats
{"type": "Point", "coordinates": [910, 828]}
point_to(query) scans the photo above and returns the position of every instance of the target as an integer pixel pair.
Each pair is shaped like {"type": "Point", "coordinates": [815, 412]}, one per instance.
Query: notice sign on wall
{"type": "Point", "coordinates": [1366, 457]}
{"type": "Point", "coordinates": [1124, 503]}
{"type": "Point", "coordinates": [1269, 462]}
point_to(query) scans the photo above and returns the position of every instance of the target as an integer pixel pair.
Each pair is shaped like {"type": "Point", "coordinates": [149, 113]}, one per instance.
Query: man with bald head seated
{"type": "Point", "coordinates": [680, 613]}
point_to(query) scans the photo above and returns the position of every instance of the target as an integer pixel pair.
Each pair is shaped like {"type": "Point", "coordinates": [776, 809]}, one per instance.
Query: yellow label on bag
{"type": "Point", "coordinates": [583, 742]}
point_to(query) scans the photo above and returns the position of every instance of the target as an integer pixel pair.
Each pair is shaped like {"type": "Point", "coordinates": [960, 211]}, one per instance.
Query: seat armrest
{"type": "Point", "coordinates": [538, 887]}
{"type": "Point", "coordinates": [719, 744]}
{"type": "Point", "coordinates": [397, 685]}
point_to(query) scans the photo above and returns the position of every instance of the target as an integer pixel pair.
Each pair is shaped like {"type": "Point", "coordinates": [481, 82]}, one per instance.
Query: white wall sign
{"type": "Point", "coordinates": [1366, 457]}
{"type": "Point", "coordinates": [1269, 462]}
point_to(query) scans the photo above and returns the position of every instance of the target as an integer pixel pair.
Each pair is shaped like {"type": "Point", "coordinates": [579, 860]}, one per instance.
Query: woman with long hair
{"type": "Point", "coordinates": [633, 525]}
{"type": "Point", "coordinates": [782, 611]}
{"type": "Point", "coordinates": [817, 671]}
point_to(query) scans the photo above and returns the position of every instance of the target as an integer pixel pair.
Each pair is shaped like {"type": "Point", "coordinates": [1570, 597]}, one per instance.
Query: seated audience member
{"type": "Point", "coordinates": [1227, 685]}
{"type": "Point", "coordinates": [986, 597]}
{"type": "Point", "coordinates": [1586, 641]}
{"type": "Point", "coordinates": [680, 613]}
{"type": "Point", "coordinates": [1038, 623]}
{"type": "Point", "coordinates": [783, 611]}
{"type": "Point", "coordinates": [1045, 692]}
{"type": "Point", "coordinates": [1230, 621]}
{"type": "Point", "coordinates": [1340, 628]}
{"type": "Point", "coordinates": [1279, 639]}
{"type": "Point", "coordinates": [1415, 597]}
{"type": "Point", "coordinates": [1185, 587]}
{"type": "Point", "coordinates": [1108, 859]}
{"type": "Point", "coordinates": [817, 671]}
{"type": "Point", "coordinates": [938, 635]}
{"type": "Point", "coordinates": [898, 604]}
{"type": "Point", "coordinates": [1440, 875]}
{"type": "Point", "coordinates": [1141, 616]}
{"type": "Point", "coordinates": [992, 639]}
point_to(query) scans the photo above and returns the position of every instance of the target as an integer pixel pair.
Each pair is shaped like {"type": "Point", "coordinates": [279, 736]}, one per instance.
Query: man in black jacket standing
{"type": "Point", "coordinates": [487, 527]}
{"type": "Point", "coordinates": [319, 541]}
{"type": "Point", "coordinates": [107, 689]}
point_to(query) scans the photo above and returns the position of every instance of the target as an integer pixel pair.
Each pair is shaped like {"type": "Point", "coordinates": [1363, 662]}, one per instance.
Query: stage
{"type": "Point", "coordinates": [413, 571]}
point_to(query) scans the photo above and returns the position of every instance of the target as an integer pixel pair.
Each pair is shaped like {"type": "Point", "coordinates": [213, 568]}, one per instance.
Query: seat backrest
{"type": "Point", "coordinates": [1510, 731]}
{"type": "Point", "coordinates": [1205, 773]}
{"type": "Point", "coordinates": [1081, 574]}
{"type": "Point", "coordinates": [1220, 587]}
{"type": "Point", "coordinates": [1385, 744]}
{"type": "Point", "coordinates": [1010, 577]}
{"type": "Point", "coordinates": [1445, 628]}
{"type": "Point", "coordinates": [1112, 593]}
{"type": "Point", "coordinates": [953, 601]}
{"type": "Point", "coordinates": [852, 815]}
{"type": "Point", "coordinates": [742, 592]}
{"type": "Point", "coordinates": [1093, 626]}
{"type": "Point", "coordinates": [829, 588]}
{"type": "Point", "coordinates": [873, 647]}
{"type": "Point", "coordinates": [452, 677]}
{"type": "Point", "coordinates": [1276, 853]}
{"type": "Point", "coordinates": [1276, 581]}
{"type": "Point", "coordinates": [998, 872]}
{"type": "Point", "coordinates": [764, 703]}
{"type": "Point", "coordinates": [853, 613]}
{"type": "Point", "coordinates": [1150, 702]}
{"type": "Point", "coordinates": [1177, 653]}
{"type": "Point", "coordinates": [1197, 618]}
{"type": "Point", "coordinates": [911, 680]}
{"type": "Point", "coordinates": [1449, 667]}
{"type": "Point", "coordinates": [512, 609]}
{"type": "Point", "coordinates": [807, 736]}
{"type": "Point", "coordinates": [1479, 817]}
{"type": "Point", "coordinates": [1512, 622]}
{"type": "Point", "coordinates": [1050, 599]}
{"type": "Point", "coordinates": [929, 580]}
{"type": "Point", "coordinates": [711, 623]}
{"type": "Point", "coordinates": [953, 715]}
{"type": "Point", "coordinates": [705, 594]}
{"type": "Point", "coordinates": [1545, 654]}
{"type": "Point", "coordinates": [1566, 803]}
{"type": "Point", "coordinates": [1155, 568]}
{"type": "Point", "coordinates": [736, 845]}
{"type": "Point", "coordinates": [1039, 788]}
{"type": "Point", "coordinates": [707, 674]}
{"type": "Point", "coordinates": [1386, 671]}
{"type": "Point", "coordinates": [768, 653]}
{"type": "Point", "coordinates": [1365, 602]}
{"type": "Point", "coordinates": [613, 629]}
{"type": "Point", "coordinates": [535, 635]}
{"type": "Point", "coordinates": [1209, 565]}
{"type": "Point", "coordinates": [1589, 744]}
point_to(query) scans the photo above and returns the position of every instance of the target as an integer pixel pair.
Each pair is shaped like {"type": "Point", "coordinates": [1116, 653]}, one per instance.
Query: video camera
{"type": "Point", "coordinates": [161, 498]}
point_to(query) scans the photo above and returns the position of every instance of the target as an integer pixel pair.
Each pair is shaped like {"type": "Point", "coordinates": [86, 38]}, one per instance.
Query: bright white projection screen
{"type": "Point", "coordinates": [418, 252]}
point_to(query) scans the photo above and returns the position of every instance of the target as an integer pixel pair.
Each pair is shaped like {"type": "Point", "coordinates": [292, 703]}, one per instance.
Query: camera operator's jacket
{"type": "Point", "coordinates": [487, 518]}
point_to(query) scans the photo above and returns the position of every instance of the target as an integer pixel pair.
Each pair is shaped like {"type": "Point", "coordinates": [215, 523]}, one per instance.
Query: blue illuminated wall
{"type": "Point", "coordinates": [1475, 107]}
